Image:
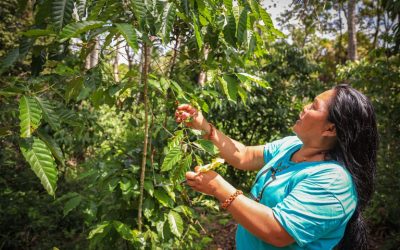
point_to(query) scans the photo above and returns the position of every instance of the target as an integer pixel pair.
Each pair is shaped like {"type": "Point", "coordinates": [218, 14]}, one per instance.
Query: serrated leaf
{"type": "Point", "coordinates": [228, 5]}
{"type": "Point", "coordinates": [81, 8]}
{"type": "Point", "coordinates": [175, 223]}
{"type": "Point", "coordinates": [129, 33]}
{"type": "Point", "coordinates": [230, 30]}
{"type": "Point", "coordinates": [53, 146]}
{"type": "Point", "coordinates": [39, 157]}
{"type": "Point", "coordinates": [176, 139]}
{"type": "Point", "coordinates": [124, 231]}
{"type": "Point", "coordinates": [139, 9]}
{"type": "Point", "coordinates": [207, 146]}
{"type": "Point", "coordinates": [168, 19]}
{"type": "Point", "coordinates": [99, 228]}
{"type": "Point", "coordinates": [72, 204]}
{"type": "Point", "coordinates": [61, 12]}
{"type": "Point", "coordinates": [163, 197]}
{"type": "Point", "coordinates": [172, 158]}
{"type": "Point", "coordinates": [182, 168]}
{"type": "Point", "coordinates": [30, 115]}
{"type": "Point", "coordinates": [261, 82]}
{"type": "Point", "coordinates": [242, 26]}
{"type": "Point", "coordinates": [197, 32]}
{"type": "Point", "coordinates": [76, 29]}
{"type": "Point", "coordinates": [49, 114]}
{"type": "Point", "coordinates": [230, 87]}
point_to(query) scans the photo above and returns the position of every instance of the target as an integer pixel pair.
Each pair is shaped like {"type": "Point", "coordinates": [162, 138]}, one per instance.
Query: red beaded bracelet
{"type": "Point", "coordinates": [230, 199]}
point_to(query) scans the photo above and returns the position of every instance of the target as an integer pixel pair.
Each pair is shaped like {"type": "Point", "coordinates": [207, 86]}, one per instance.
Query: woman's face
{"type": "Point", "coordinates": [313, 121]}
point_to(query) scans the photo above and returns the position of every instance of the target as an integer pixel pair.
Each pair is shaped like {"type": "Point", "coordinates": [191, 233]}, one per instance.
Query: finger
{"type": "Point", "coordinates": [190, 176]}
{"type": "Point", "coordinates": [191, 183]}
{"type": "Point", "coordinates": [184, 116]}
{"type": "Point", "coordinates": [185, 107]}
{"type": "Point", "coordinates": [197, 169]}
{"type": "Point", "coordinates": [178, 120]}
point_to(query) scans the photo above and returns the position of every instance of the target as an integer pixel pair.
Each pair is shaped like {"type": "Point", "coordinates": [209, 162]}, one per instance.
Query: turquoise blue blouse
{"type": "Point", "coordinates": [313, 201]}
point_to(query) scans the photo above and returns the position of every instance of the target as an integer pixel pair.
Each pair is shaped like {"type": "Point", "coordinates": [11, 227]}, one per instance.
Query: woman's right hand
{"type": "Point", "coordinates": [191, 117]}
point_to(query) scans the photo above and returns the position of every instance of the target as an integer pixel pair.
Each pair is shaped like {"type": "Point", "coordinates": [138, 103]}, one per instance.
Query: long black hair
{"type": "Point", "coordinates": [356, 148]}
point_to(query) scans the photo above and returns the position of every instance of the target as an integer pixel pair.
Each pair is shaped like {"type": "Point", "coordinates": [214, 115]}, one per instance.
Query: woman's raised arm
{"type": "Point", "coordinates": [235, 153]}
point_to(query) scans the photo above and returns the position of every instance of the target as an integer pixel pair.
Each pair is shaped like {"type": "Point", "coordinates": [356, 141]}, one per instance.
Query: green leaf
{"type": "Point", "coordinates": [175, 223]}
{"type": "Point", "coordinates": [243, 95]}
{"type": "Point", "coordinates": [197, 32]}
{"type": "Point", "coordinates": [76, 29]}
{"type": "Point", "coordinates": [37, 33]}
{"type": "Point", "coordinates": [99, 228]}
{"type": "Point", "coordinates": [30, 115]}
{"type": "Point", "coordinates": [38, 155]}
{"type": "Point", "coordinates": [179, 172]}
{"type": "Point", "coordinates": [168, 19]}
{"type": "Point", "coordinates": [230, 87]}
{"type": "Point", "coordinates": [61, 12]}
{"type": "Point", "coordinates": [49, 114]}
{"type": "Point", "coordinates": [230, 30]}
{"type": "Point", "coordinates": [81, 8]}
{"type": "Point", "coordinates": [261, 82]}
{"type": "Point", "coordinates": [149, 187]}
{"type": "Point", "coordinates": [172, 158]}
{"type": "Point", "coordinates": [139, 8]}
{"type": "Point", "coordinates": [228, 5]}
{"type": "Point", "coordinates": [242, 26]}
{"type": "Point", "coordinates": [129, 33]}
{"type": "Point", "coordinates": [163, 197]}
{"type": "Point", "coordinates": [207, 146]}
{"type": "Point", "coordinates": [53, 146]}
{"type": "Point", "coordinates": [9, 60]}
{"type": "Point", "coordinates": [124, 231]}
{"type": "Point", "coordinates": [72, 204]}
{"type": "Point", "coordinates": [73, 88]}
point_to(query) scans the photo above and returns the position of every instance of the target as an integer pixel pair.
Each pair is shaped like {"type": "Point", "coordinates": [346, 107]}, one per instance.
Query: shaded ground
{"type": "Point", "coordinates": [221, 228]}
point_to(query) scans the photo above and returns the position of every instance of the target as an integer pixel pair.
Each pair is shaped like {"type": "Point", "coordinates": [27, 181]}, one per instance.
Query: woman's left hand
{"type": "Point", "coordinates": [207, 182]}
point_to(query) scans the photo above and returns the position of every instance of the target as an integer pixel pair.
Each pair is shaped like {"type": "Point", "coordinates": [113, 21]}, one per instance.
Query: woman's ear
{"type": "Point", "coordinates": [330, 131]}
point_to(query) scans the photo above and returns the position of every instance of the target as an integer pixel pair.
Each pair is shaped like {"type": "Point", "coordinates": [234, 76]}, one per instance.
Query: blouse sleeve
{"type": "Point", "coordinates": [311, 210]}
{"type": "Point", "coordinates": [271, 149]}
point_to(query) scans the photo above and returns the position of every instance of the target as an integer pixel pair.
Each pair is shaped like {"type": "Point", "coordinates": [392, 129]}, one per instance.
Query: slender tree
{"type": "Point", "coordinates": [351, 26]}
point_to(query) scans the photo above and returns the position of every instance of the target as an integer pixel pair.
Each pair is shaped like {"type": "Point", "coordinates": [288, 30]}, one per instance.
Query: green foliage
{"type": "Point", "coordinates": [38, 155]}
{"type": "Point", "coordinates": [61, 12]}
{"type": "Point", "coordinates": [30, 115]}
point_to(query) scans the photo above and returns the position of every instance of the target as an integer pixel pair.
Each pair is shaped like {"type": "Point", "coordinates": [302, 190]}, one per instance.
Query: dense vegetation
{"type": "Point", "coordinates": [91, 156]}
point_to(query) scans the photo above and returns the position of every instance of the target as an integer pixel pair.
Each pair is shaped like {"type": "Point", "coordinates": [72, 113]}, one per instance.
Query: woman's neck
{"type": "Point", "coordinates": [309, 154]}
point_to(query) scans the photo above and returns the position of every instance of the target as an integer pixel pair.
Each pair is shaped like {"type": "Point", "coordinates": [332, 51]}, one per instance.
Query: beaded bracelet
{"type": "Point", "coordinates": [230, 199]}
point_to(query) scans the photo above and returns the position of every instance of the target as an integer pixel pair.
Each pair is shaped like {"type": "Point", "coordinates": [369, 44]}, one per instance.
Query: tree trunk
{"type": "Point", "coordinates": [340, 52]}
{"type": "Point", "coordinates": [351, 24]}
{"type": "Point", "coordinates": [116, 63]}
{"type": "Point", "coordinates": [203, 74]}
{"type": "Point", "coordinates": [92, 58]}
{"type": "Point", "coordinates": [145, 71]}
{"type": "Point", "coordinates": [378, 20]}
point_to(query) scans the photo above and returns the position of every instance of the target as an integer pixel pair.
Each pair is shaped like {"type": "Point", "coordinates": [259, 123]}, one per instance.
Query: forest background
{"type": "Point", "coordinates": [91, 156]}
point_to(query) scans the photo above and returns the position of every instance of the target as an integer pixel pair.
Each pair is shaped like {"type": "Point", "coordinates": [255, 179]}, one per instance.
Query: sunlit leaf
{"type": "Point", "coordinates": [30, 115]}
{"type": "Point", "coordinates": [39, 157]}
{"type": "Point", "coordinates": [53, 146]}
{"type": "Point", "coordinates": [76, 29]}
{"type": "Point", "coordinates": [162, 196]}
{"type": "Point", "coordinates": [129, 33]}
{"type": "Point", "coordinates": [99, 229]}
{"type": "Point", "coordinates": [175, 223]}
{"type": "Point", "coordinates": [261, 82]}
{"type": "Point", "coordinates": [168, 19]}
{"type": "Point", "coordinates": [174, 155]}
{"type": "Point", "coordinates": [207, 146]}
{"type": "Point", "coordinates": [49, 114]}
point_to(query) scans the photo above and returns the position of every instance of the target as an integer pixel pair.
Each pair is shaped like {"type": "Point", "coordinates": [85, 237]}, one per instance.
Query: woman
{"type": "Point", "coordinates": [311, 188]}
